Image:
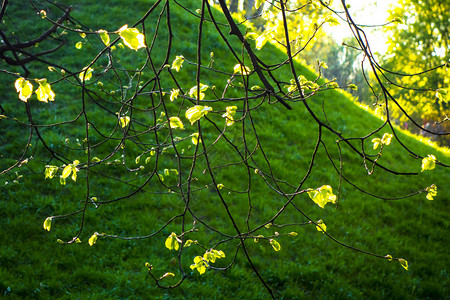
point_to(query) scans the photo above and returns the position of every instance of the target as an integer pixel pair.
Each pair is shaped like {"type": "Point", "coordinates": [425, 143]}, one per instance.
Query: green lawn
{"type": "Point", "coordinates": [310, 265]}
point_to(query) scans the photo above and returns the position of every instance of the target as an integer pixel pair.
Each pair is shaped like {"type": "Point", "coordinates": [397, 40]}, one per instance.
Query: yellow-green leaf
{"type": "Point", "coordinates": [79, 45]}
{"type": "Point", "coordinates": [178, 63]}
{"type": "Point", "coordinates": [322, 195]}
{"type": "Point", "coordinates": [241, 69]}
{"type": "Point", "coordinates": [220, 186]}
{"type": "Point", "coordinates": [386, 139]}
{"type": "Point", "coordinates": [66, 171]}
{"type": "Point", "coordinates": [321, 226]}
{"type": "Point", "coordinates": [258, 3]}
{"type": "Point", "coordinates": [293, 233]}
{"type": "Point", "coordinates": [104, 36]}
{"type": "Point", "coordinates": [389, 257]}
{"type": "Point", "coordinates": [193, 114]}
{"type": "Point", "coordinates": [86, 74]}
{"type": "Point", "coordinates": [93, 239]}
{"type": "Point", "coordinates": [199, 264]}
{"type": "Point", "coordinates": [404, 263]}
{"type": "Point", "coordinates": [432, 192]}
{"type": "Point", "coordinates": [429, 162]}
{"type": "Point", "coordinates": [275, 245]}
{"type": "Point", "coordinates": [376, 142]}
{"type": "Point", "coordinates": [229, 115]}
{"type": "Point", "coordinates": [194, 94]}
{"type": "Point", "coordinates": [188, 243]}
{"type": "Point", "coordinates": [24, 88]}
{"type": "Point", "coordinates": [175, 122]}
{"type": "Point", "coordinates": [124, 121]}
{"type": "Point", "coordinates": [48, 224]}
{"type": "Point", "coordinates": [353, 87]}
{"type": "Point", "coordinates": [50, 171]}
{"type": "Point", "coordinates": [174, 94]}
{"type": "Point", "coordinates": [168, 274]}
{"type": "Point", "coordinates": [194, 138]}
{"type": "Point", "coordinates": [44, 93]}
{"type": "Point", "coordinates": [172, 242]}
{"type": "Point", "coordinates": [132, 38]}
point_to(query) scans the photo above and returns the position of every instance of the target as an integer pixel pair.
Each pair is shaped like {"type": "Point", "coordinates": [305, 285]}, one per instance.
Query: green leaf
{"type": "Point", "coordinates": [172, 242]}
{"type": "Point", "coordinates": [62, 180]}
{"type": "Point", "coordinates": [429, 162]}
{"type": "Point", "coordinates": [322, 195]}
{"type": "Point", "coordinates": [275, 245]}
{"type": "Point", "coordinates": [48, 224]}
{"type": "Point", "coordinates": [24, 88]}
{"type": "Point", "coordinates": [178, 63]}
{"type": "Point", "coordinates": [404, 263]}
{"type": "Point", "coordinates": [44, 93]}
{"type": "Point", "coordinates": [175, 122]}
{"type": "Point", "coordinates": [104, 36]}
{"type": "Point", "coordinates": [193, 114]}
{"type": "Point", "coordinates": [132, 38]}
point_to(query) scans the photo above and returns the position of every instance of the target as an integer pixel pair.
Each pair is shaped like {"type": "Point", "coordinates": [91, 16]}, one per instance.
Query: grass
{"type": "Point", "coordinates": [33, 264]}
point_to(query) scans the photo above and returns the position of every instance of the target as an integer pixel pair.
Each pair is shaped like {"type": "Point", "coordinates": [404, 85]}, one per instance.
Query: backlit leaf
{"type": "Point", "coordinates": [24, 88]}
{"type": "Point", "coordinates": [86, 74]}
{"type": "Point", "coordinates": [275, 245]}
{"type": "Point", "coordinates": [432, 192]}
{"type": "Point", "coordinates": [93, 239]}
{"type": "Point", "coordinates": [172, 242]}
{"type": "Point", "coordinates": [48, 224]}
{"type": "Point", "coordinates": [132, 38]}
{"type": "Point", "coordinates": [175, 122]}
{"type": "Point", "coordinates": [321, 226]}
{"type": "Point", "coordinates": [104, 36]}
{"type": "Point", "coordinates": [178, 63]}
{"type": "Point", "coordinates": [193, 114]}
{"type": "Point", "coordinates": [124, 121]}
{"type": "Point", "coordinates": [429, 162]}
{"type": "Point", "coordinates": [404, 263]}
{"type": "Point", "coordinates": [322, 195]}
{"type": "Point", "coordinates": [44, 93]}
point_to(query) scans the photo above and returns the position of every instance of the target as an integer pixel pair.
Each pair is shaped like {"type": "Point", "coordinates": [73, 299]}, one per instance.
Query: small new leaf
{"type": "Point", "coordinates": [429, 162]}
{"type": "Point", "coordinates": [104, 36]}
{"type": "Point", "coordinates": [48, 224]}
{"type": "Point", "coordinates": [194, 114]}
{"type": "Point", "coordinates": [229, 115]}
{"type": "Point", "coordinates": [175, 122]}
{"type": "Point", "coordinates": [199, 264]}
{"type": "Point", "coordinates": [132, 38]}
{"type": "Point", "coordinates": [93, 239]}
{"type": "Point", "coordinates": [404, 263]}
{"type": "Point", "coordinates": [275, 245]}
{"type": "Point", "coordinates": [24, 88]}
{"type": "Point", "coordinates": [321, 226]}
{"type": "Point", "coordinates": [86, 74]}
{"type": "Point", "coordinates": [44, 92]}
{"type": "Point", "coordinates": [124, 121]}
{"type": "Point", "coordinates": [178, 63]}
{"type": "Point", "coordinates": [322, 195]}
{"type": "Point", "coordinates": [174, 94]}
{"type": "Point", "coordinates": [172, 242]}
{"type": "Point", "coordinates": [432, 192]}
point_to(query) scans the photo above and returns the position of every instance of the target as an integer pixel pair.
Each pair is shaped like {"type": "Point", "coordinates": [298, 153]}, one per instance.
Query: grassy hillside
{"type": "Point", "coordinates": [33, 264]}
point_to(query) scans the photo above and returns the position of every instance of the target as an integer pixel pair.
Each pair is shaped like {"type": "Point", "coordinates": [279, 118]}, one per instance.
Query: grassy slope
{"type": "Point", "coordinates": [310, 265]}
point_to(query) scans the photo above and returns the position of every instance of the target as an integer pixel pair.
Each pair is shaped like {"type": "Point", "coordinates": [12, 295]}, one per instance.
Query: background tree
{"type": "Point", "coordinates": [420, 45]}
